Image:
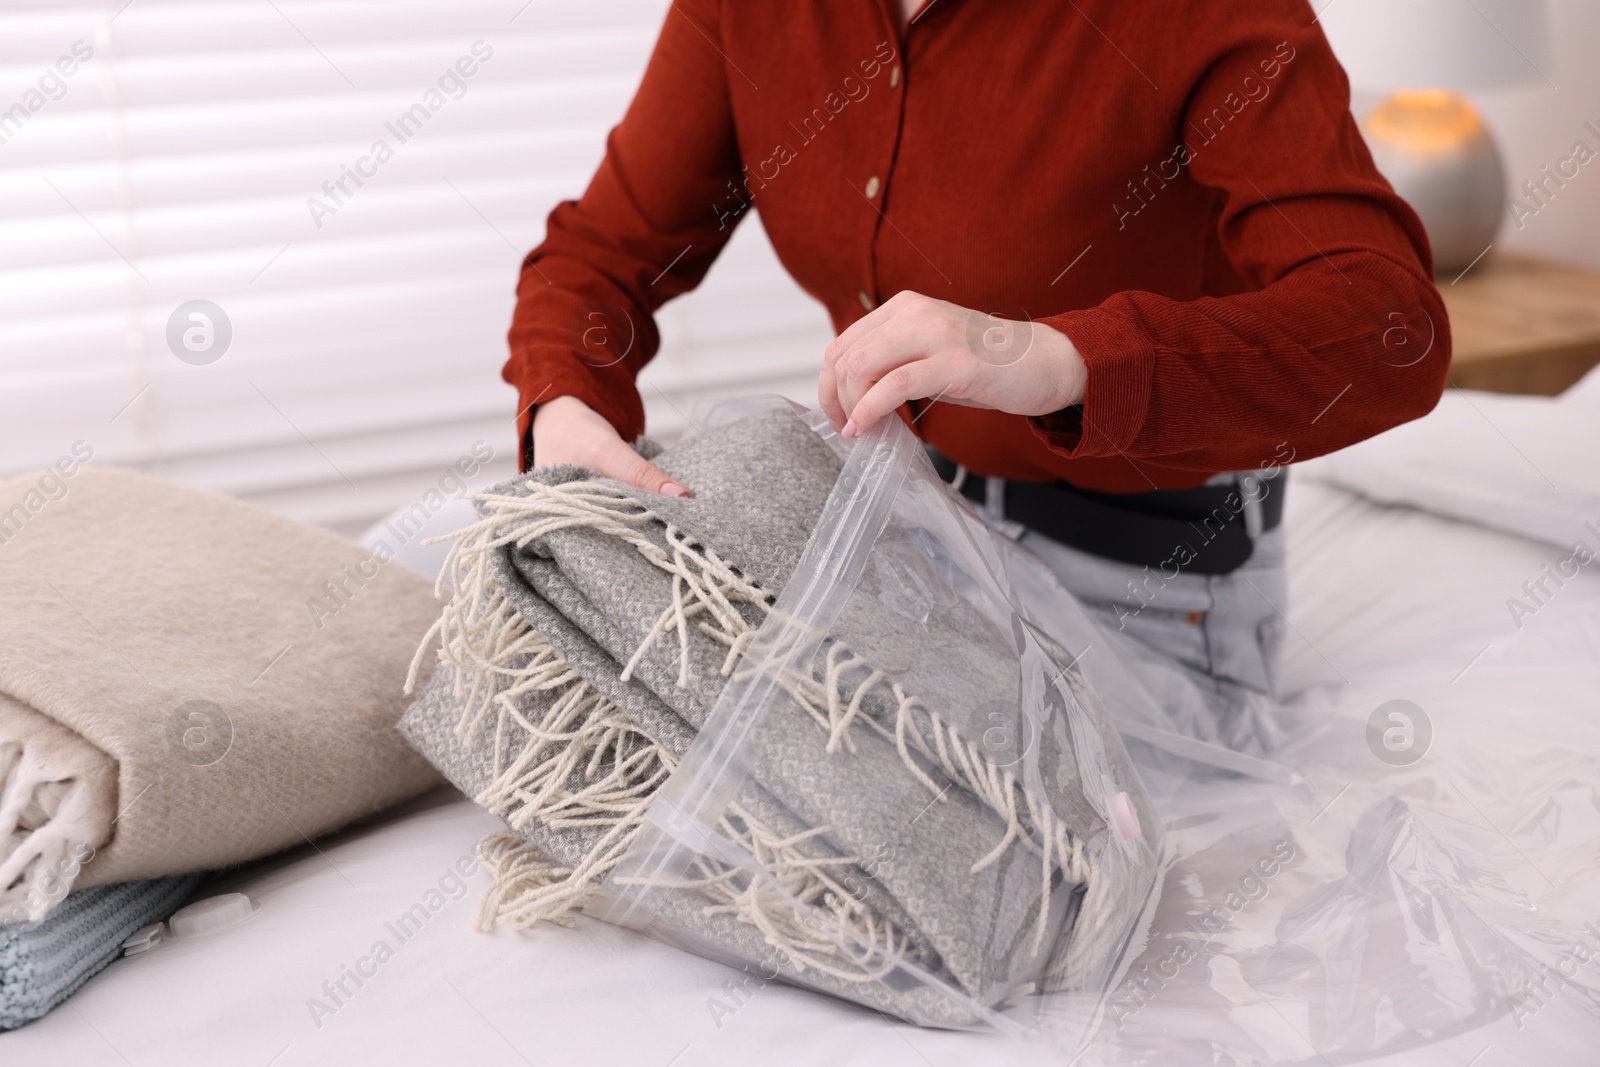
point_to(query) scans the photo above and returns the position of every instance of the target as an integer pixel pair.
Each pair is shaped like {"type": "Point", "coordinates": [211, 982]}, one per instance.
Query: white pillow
{"type": "Point", "coordinates": [1522, 464]}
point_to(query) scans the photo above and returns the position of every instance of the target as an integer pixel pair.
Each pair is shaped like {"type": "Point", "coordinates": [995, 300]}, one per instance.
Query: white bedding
{"type": "Point", "coordinates": [1384, 602]}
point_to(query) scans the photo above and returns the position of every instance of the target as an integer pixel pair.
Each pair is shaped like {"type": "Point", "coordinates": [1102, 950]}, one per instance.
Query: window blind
{"type": "Point", "coordinates": [210, 270]}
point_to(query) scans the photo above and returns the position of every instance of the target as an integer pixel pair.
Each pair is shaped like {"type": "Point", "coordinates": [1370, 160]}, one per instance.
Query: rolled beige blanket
{"type": "Point", "coordinates": [187, 682]}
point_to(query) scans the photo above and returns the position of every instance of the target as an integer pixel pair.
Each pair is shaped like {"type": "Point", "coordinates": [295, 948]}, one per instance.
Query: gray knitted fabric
{"type": "Point", "coordinates": [907, 848]}
{"type": "Point", "coordinates": [43, 963]}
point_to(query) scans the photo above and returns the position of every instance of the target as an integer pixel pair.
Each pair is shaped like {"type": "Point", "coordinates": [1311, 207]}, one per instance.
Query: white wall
{"type": "Point", "coordinates": [1537, 125]}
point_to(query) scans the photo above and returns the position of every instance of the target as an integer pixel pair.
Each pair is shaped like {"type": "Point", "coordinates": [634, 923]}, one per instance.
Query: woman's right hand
{"type": "Point", "coordinates": [566, 430]}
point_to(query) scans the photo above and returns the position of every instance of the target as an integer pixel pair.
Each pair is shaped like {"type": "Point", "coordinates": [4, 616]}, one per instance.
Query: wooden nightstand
{"type": "Point", "coordinates": [1522, 325]}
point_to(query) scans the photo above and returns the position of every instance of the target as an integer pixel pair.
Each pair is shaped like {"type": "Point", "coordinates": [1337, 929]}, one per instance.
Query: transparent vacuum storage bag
{"type": "Point", "coordinates": [825, 724]}
{"type": "Point", "coordinates": [907, 794]}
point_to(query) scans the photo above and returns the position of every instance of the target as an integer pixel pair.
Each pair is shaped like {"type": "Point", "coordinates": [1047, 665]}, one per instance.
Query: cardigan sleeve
{"type": "Point", "coordinates": [1340, 332]}
{"type": "Point", "coordinates": [646, 229]}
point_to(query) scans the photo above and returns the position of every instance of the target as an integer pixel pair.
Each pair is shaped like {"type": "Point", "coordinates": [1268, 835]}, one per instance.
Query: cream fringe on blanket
{"type": "Point", "coordinates": [187, 682]}
{"type": "Point", "coordinates": [51, 816]}
{"type": "Point", "coordinates": [499, 660]}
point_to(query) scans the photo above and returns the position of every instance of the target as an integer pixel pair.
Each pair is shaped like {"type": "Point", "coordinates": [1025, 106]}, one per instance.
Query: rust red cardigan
{"type": "Point", "coordinates": [1177, 185]}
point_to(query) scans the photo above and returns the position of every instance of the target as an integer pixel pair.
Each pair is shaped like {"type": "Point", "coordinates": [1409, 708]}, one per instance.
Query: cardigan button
{"type": "Point", "coordinates": [866, 300]}
{"type": "Point", "coordinates": [894, 76]}
{"type": "Point", "coordinates": [872, 187]}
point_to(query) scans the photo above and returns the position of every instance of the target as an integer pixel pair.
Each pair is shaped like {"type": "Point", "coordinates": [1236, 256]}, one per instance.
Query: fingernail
{"type": "Point", "coordinates": [673, 489]}
{"type": "Point", "coordinates": [849, 429]}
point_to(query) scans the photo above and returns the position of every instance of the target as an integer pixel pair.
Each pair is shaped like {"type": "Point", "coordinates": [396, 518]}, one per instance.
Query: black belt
{"type": "Point", "coordinates": [1196, 531]}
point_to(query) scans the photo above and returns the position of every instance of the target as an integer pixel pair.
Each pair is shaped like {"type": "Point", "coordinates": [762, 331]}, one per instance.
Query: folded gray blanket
{"type": "Point", "coordinates": [43, 963]}
{"type": "Point", "coordinates": [875, 848]}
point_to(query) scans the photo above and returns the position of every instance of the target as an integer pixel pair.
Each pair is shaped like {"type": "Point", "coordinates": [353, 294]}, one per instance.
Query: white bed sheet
{"type": "Point", "coordinates": [1384, 602]}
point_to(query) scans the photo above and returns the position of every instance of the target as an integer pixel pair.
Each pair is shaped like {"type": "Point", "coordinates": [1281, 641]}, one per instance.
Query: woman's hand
{"type": "Point", "coordinates": [915, 346]}
{"type": "Point", "coordinates": [566, 430]}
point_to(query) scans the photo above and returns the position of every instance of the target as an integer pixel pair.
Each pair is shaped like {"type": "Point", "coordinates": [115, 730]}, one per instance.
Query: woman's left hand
{"type": "Point", "coordinates": [914, 346]}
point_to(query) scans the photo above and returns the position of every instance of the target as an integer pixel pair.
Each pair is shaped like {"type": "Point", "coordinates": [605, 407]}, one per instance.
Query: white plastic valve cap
{"type": "Point", "coordinates": [1127, 819]}
{"type": "Point", "coordinates": [210, 915]}
{"type": "Point", "coordinates": [144, 939]}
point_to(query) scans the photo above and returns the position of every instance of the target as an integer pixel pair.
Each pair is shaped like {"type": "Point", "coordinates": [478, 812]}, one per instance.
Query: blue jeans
{"type": "Point", "coordinates": [1207, 646]}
